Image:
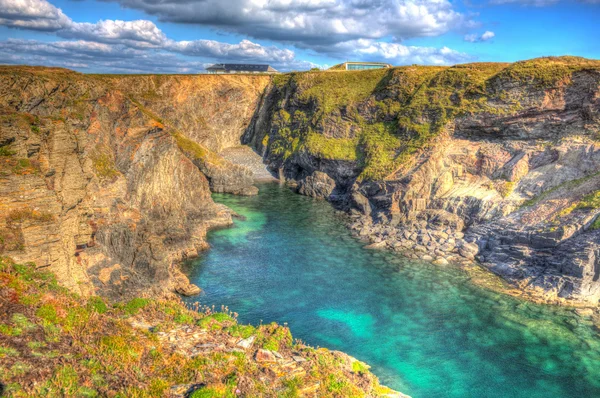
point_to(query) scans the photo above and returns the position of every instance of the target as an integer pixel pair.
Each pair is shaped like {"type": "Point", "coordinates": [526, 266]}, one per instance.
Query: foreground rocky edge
{"type": "Point", "coordinates": [55, 343]}
{"type": "Point", "coordinates": [492, 163]}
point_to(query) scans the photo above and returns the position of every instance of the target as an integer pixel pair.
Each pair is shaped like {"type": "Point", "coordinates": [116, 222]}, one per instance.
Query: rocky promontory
{"type": "Point", "coordinates": [106, 180]}
{"type": "Point", "coordinates": [492, 163]}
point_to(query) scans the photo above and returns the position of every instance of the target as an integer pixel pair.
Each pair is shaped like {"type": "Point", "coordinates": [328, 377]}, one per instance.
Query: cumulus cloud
{"type": "Point", "coordinates": [96, 57]}
{"type": "Point", "coordinates": [332, 27]}
{"type": "Point", "coordinates": [32, 14]}
{"type": "Point", "coordinates": [140, 33]}
{"type": "Point", "coordinates": [476, 38]}
{"type": "Point", "coordinates": [306, 22]}
{"type": "Point", "coordinates": [399, 54]}
{"type": "Point", "coordinates": [245, 50]}
{"type": "Point", "coordinates": [126, 36]}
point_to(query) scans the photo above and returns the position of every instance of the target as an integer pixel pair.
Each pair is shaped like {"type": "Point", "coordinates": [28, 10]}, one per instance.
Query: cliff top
{"type": "Point", "coordinates": [56, 343]}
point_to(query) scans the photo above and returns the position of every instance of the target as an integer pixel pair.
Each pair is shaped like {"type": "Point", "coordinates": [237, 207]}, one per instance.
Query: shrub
{"type": "Point", "coordinates": [6, 151]}
{"type": "Point", "coordinates": [136, 304]}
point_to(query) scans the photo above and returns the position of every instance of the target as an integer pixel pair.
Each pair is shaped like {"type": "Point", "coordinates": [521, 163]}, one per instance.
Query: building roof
{"type": "Point", "coordinates": [242, 67]}
{"type": "Point", "coordinates": [343, 65]}
{"type": "Point", "coordinates": [367, 63]}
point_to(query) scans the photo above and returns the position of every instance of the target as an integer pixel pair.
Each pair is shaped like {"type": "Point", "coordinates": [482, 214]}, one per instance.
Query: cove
{"type": "Point", "coordinates": [425, 330]}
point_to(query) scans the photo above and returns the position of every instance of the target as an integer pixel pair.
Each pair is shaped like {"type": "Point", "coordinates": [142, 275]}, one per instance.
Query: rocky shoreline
{"type": "Point", "coordinates": [489, 164]}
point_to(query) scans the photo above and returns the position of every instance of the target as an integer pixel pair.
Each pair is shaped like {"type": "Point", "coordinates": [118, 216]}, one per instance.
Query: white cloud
{"type": "Point", "coordinates": [243, 50]}
{"type": "Point", "coordinates": [132, 45]}
{"type": "Point", "coordinates": [94, 57]}
{"type": "Point", "coordinates": [32, 14]}
{"type": "Point", "coordinates": [127, 35]}
{"type": "Point", "coordinates": [309, 22]}
{"type": "Point", "coordinates": [476, 38]}
{"type": "Point", "coordinates": [399, 54]}
{"type": "Point", "coordinates": [140, 33]}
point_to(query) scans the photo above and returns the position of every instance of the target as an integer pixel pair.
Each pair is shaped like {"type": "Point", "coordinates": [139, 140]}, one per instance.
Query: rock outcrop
{"type": "Point", "coordinates": [106, 180]}
{"type": "Point", "coordinates": [498, 163]}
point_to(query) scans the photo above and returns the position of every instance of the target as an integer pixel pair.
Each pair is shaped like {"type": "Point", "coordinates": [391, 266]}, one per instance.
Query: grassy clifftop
{"type": "Point", "coordinates": [380, 118]}
{"type": "Point", "coordinates": [54, 343]}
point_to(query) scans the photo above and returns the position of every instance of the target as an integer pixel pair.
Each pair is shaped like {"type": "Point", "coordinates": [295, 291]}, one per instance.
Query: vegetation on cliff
{"type": "Point", "coordinates": [383, 117]}
{"type": "Point", "coordinates": [54, 343]}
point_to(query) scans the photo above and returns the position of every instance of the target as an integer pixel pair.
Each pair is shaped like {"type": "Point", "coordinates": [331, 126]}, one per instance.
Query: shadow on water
{"type": "Point", "coordinates": [425, 330]}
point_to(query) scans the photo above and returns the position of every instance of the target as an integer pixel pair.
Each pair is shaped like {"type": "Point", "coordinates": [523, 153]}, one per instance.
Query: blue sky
{"type": "Point", "coordinates": [184, 36]}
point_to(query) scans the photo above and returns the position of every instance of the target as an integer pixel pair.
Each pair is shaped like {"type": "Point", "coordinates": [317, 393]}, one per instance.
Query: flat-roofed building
{"type": "Point", "coordinates": [361, 66]}
{"type": "Point", "coordinates": [241, 68]}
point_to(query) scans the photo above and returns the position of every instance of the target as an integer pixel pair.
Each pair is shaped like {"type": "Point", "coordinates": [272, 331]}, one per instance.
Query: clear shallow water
{"type": "Point", "coordinates": [425, 330]}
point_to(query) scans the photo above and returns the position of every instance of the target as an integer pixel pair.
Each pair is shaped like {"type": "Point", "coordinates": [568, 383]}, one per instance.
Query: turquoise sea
{"type": "Point", "coordinates": [425, 330]}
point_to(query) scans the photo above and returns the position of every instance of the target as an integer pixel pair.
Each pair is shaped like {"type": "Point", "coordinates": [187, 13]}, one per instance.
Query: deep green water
{"type": "Point", "coordinates": [425, 330]}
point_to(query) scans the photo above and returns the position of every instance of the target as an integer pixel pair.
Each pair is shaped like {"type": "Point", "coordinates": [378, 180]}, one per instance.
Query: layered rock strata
{"type": "Point", "coordinates": [106, 180]}
{"type": "Point", "coordinates": [498, 163]}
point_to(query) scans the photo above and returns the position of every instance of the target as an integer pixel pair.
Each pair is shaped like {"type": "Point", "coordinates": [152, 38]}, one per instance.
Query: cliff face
{"type": "Point", "coordinates": [105, 180]}
{"type": "Point", "coordinates": [494, 161]}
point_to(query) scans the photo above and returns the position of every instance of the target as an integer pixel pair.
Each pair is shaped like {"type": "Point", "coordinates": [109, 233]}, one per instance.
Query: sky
{"type": "Point", "coordinates": [186, 36]}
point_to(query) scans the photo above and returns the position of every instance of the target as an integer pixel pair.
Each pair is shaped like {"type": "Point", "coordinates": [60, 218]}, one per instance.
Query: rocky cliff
{"type": "Point", "coordinates": [494, 162]}
{"type": "Point", "coordinates": [106, 180]}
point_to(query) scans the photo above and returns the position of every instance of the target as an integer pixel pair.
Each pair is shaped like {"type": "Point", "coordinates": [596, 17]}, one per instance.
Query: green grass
{"type": "Point", "coordinates": [359, 367]}
{"type": "Point", "coordinates": [547, 71]}
{"type": "Point", "coordinates": [274, 337]}
{"type": "Point", "coordinates": [332, 148]}
{"type": "Point", "coordinates": [8, 352]}
{"type": "Point", "coordinates": [242, 331]}
{"type": "Point", "coordinates": [566, 185]}
{"type": "Point", "coordinates": [97, 304]}
{"type": "Point", "coordinates": [188, 146]}
{"type": "Point", "coordinates": [591, 201]}
{"type": "Point", "coordinates": [6, 151]}
{"type": "Point", "coordinates": [390, 115]}
{"type": "Point", "coordinates": [409, 107]}
{"type": "Point", "coordinates": [335, 90]}
{"type": "Point", "coordinates": [135, 305]}
{"type": "Point", "coordinates": [196, 150]}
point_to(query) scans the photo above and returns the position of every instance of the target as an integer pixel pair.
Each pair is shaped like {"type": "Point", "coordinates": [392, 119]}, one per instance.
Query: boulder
{"type": "Point", "coordinates": [246, 343]}
{"type": "Point", "coordinates": [440, 261]}
{"type": "Point", "coordinates": [317, 185]}
{"type": "Point", "coordinates": [265, 356]}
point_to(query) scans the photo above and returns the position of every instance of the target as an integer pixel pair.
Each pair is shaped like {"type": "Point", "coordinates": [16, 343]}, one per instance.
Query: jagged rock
{"type": "Point", "coordinates": [246, 343]}
{"type": "Point", "coordinates": [123, 193]}
{"type": "Point", "coordinates": [317, 185]}
{"type": "Point", "coordinates": [376, 245]}
{"type": "Point", "coordinates": [466, 254]}
{"type": "Point", "coordinates": [479, 170]}
{"type": "Point", "coordinates": [265, 356]}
